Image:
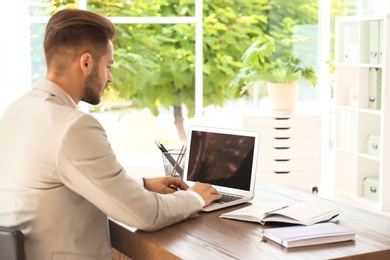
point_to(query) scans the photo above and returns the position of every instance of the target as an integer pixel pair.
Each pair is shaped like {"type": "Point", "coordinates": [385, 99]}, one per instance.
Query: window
{"type": "Point", "coordinates": [211, 54]}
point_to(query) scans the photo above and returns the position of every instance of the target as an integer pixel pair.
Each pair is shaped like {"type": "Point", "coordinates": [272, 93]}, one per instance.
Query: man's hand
{"type": "Point", "coordinates": [164, 185]}
{"type": "Point", "coordinates": [208, 192]}
{"type": "Point", "coordinates": [169, 184]}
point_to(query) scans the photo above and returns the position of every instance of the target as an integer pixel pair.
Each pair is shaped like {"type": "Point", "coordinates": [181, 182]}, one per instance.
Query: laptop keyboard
{"type": "Point", "coordinates": [227, 198]}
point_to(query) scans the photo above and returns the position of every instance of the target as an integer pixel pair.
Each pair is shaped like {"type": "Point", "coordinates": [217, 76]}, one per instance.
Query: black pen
{"type": "Point", "coordinates": [171, 160]}
{"type": "Point", "coordinates": [163, 148]}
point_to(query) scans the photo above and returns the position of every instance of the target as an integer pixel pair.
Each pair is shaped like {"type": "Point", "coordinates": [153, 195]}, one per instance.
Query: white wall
{"type": "Point", "coordinates": [15, 65]}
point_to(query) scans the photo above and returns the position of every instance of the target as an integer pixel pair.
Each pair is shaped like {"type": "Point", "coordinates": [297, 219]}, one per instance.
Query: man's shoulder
{"type": "Point", "coordinates": [52, 93]}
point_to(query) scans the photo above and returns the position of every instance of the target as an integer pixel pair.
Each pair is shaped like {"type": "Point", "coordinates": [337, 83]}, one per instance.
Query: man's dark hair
{"type": "Point", "coordinates": [74, 32]}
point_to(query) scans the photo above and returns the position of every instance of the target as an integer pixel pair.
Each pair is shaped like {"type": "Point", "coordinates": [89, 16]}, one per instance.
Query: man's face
{"type": "Point", "coordinates": [99, 78]}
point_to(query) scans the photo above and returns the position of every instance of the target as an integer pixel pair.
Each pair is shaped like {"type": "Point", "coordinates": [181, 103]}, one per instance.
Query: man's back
{"type": "Point", "coordinates": [59, 179]}
{"type": "Point", "coordinates": [34, 198]}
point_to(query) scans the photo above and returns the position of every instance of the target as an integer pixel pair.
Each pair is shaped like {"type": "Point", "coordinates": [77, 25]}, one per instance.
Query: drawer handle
{"type": "Point", "coordinates": [286, 172]}
{"type": "Point", "coordinates": [281, 128]}
{"type": "Point", "coordinates": [281, 148]}
{"type": "Point", "coordinates": [281, 138]}
{"type": "Point", "coordinates": [281, 160]}
{"type": "Point", "coordinates": [373, 189]}
{"type": "Point", "coordinates": [282, 118]}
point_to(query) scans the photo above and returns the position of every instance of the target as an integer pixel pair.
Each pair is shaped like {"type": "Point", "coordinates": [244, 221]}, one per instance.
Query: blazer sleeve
{"type": "Point", "coordinates": [86, 164]}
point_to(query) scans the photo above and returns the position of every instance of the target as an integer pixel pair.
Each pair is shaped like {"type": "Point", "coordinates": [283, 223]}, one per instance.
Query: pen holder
{"type": "Point", "coordinates": [173, 163]}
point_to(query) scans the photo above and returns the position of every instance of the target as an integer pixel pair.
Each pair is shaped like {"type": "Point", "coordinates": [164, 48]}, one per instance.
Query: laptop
{"type": "Point", "coordinates": [225, 158]}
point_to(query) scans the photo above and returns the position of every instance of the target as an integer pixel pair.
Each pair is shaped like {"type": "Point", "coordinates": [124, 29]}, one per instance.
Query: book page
{"type": "Point", "coordinates": [306, 213]}
{"type": "Point", "coordinates": [254, 212]}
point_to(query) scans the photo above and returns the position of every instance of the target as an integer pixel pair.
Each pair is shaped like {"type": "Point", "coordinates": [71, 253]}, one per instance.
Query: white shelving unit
{"type": "Point", "coordinates": [362, 60]}
{"type": "Point", "coordinates": [290, 149]}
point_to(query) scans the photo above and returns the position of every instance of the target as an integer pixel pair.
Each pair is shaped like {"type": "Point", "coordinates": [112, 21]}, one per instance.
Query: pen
{"type": "Point", "coordinates": [171, 160]}
{"type": "Point", "coordinates": [160, 146]}
{"type": "Point", "coordinates": [178, 161]}
{"type": "Point", "coordinates": [269, 212]}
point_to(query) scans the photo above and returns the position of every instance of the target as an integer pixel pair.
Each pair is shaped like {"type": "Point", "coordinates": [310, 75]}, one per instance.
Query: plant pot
{"type": "Point", "coordinates": [283, 97]}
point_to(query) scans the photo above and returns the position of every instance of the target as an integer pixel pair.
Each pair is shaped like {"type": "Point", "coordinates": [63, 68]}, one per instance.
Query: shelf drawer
{"type": "Point", "coordinates": [289, 141]}
{"type": "Point", "coordinates": [289, 165]}
{"type": "Point", "coordinates": [289, 153]}
{"type": "Point", "coordinates": [269, 121]}
{"type": "Point", "coordinates": [371, 188]}
{"type": "Point", "coordinates": [291, 178]}
{"type": "Point", "coordinates": [287, 132]}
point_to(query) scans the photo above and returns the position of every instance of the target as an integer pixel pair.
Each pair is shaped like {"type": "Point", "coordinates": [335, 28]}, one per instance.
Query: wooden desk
{"type": "Point", "coordinates": [210, 237]}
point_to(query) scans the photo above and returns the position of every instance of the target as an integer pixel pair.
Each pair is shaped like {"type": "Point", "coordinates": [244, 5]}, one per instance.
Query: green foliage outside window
{"type": "Point", "coordinates": [155, 63]}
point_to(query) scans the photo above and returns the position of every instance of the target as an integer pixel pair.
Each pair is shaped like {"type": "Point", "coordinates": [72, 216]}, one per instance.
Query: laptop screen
{"type": "Point", "coordinates": [221, 159]}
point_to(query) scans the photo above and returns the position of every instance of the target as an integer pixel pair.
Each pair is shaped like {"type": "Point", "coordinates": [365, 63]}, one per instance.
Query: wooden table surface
{"type": "Point", "coordinates": [210, 237]}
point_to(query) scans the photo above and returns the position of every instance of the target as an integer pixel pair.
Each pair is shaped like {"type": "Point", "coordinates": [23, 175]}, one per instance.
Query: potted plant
{"type": "Point", "coordinates": [280, 71]}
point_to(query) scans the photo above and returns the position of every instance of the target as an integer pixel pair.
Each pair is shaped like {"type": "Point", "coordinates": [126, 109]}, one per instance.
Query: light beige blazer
{"type": "Point", "coordinates": [59, 179]}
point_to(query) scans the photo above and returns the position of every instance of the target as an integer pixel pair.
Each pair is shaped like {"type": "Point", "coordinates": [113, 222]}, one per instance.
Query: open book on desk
{"type": "Point", "coordinates": [303, 213]}
{"type": "Point", "coordinates": [321, 233]}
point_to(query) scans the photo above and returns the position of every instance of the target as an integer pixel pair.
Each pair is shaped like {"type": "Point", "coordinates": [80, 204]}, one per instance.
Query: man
{"type": "Point", "coordinates": [59, 178]}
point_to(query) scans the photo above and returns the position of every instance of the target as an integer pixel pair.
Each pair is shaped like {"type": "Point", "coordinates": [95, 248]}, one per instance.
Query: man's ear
{"type": "Point", "coordinates": [86, 63]}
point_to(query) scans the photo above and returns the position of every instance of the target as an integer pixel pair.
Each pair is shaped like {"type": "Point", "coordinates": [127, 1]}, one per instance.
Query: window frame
{"type": "Point", "coordinates": [197, 20]}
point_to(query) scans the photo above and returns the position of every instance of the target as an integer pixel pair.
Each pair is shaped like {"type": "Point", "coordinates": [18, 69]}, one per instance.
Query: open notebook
{"type": "Point", "coordinates": [225, 158]}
